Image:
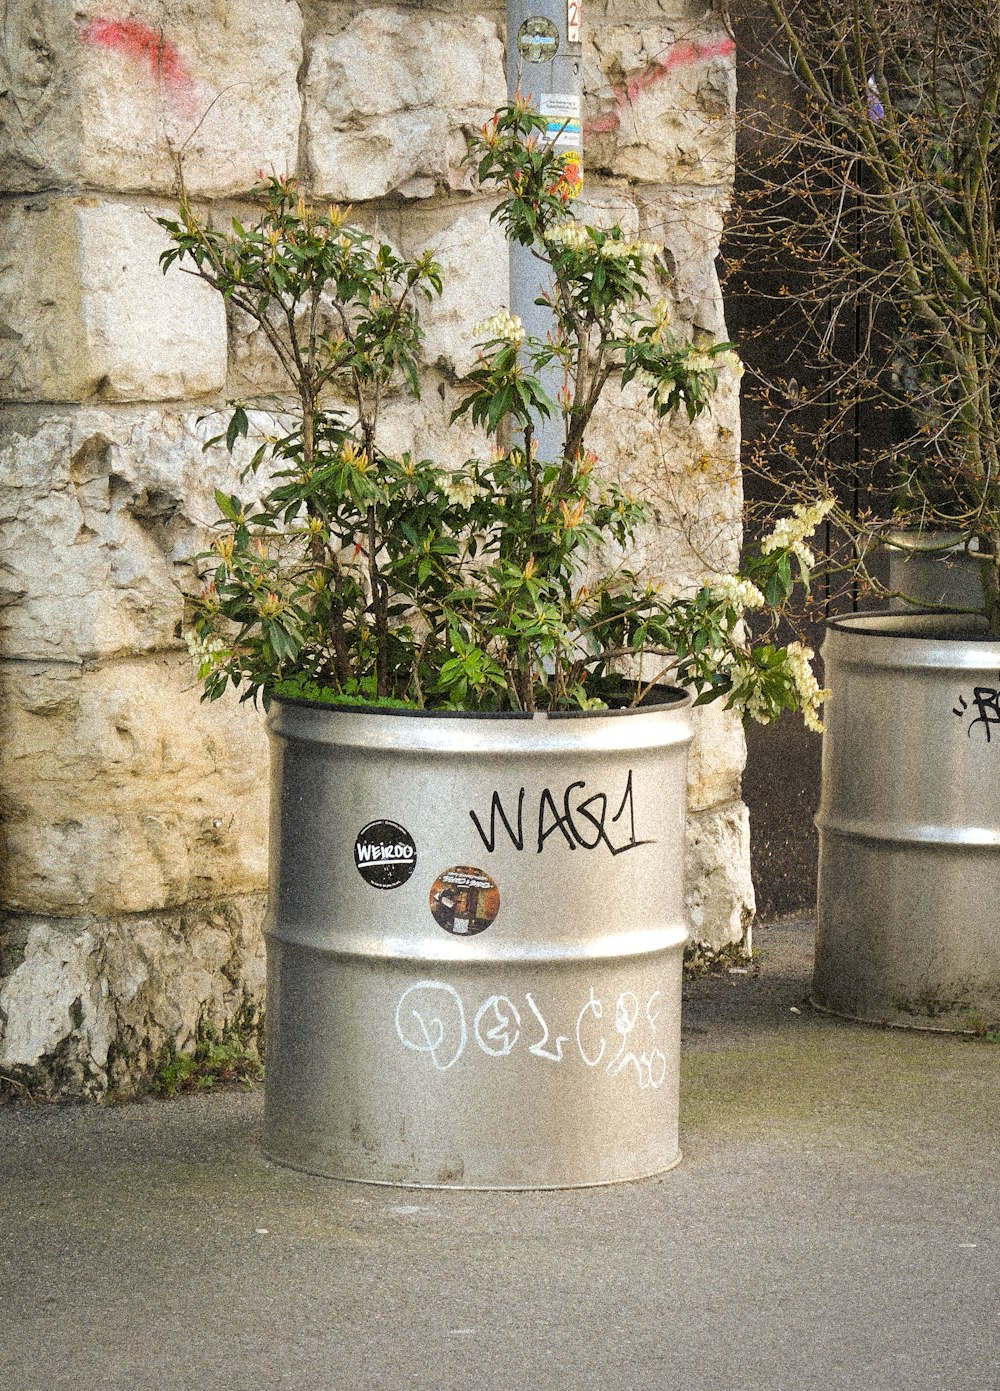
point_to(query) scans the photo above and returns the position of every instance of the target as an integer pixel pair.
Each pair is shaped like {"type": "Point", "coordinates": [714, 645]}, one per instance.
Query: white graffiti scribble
{"type": "Point", "coordinates": [423, 999]}
{"type": "Point", "coordinates": [431, 1019]}
{"type": "Point", "coordinates": [539, 1049]}
{"type": "Point", "coordinates": [652, 1016]}
{"type": "Point", "coordinates": [647, 1079]}
{"type": "Point", "coordinates": [594, 1007]}
{"type": "Point", "coordinates": [626, 1017]}
{"type": "Point", "coordinates": [506, 1026]}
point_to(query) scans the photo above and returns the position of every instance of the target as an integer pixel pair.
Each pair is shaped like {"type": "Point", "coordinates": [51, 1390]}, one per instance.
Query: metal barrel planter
{"type": "Point", "coordinates": [933, 569]}
{"type": "Point", "coordinates": [475, 939]}
{"type": "Point", "coordinates": [908, 922]}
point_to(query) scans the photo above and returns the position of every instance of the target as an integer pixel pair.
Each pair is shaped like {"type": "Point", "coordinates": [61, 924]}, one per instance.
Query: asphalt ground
{"type": "Point", "coordinates": [835, 1223]}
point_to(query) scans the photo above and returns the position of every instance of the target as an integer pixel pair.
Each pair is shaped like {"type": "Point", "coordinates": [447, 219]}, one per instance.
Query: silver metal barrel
{"type": "Point", "coordinates": [908, 929]}
{"type": "Point", "coordinates": [475, 938]}
{"type": "Point", "coordinates": [933, 569]}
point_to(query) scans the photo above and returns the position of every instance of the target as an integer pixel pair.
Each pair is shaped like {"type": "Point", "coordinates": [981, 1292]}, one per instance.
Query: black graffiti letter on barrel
{"type": "Point", "coordinates": [575, 817]}
{"type": "Point", "coordinates": [986, 700]}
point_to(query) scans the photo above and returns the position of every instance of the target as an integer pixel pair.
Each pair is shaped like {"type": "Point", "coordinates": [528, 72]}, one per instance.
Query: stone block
{"type": "Point", "coordinates": [716, 759]}
{"type": "Point", "coordinates": [605, 206]}
{"type": "Point", "coordinates": [640, 10]}
{"type": "Point", "coordinates": [254, 369]}
{"type": "Point", "coordinates": [688, 223]}
{"type": "Point", "coordinates": [720, 897]}
{"type": "Point", "coordinates": [92, 1004]}
{"type": "Point", "coordinates": [688, 472]}
{"type": "Point", "coordinates": [424, 428]}
{"type": "Point", "coordinates": [101, 512]}
{"type": "Point", "coordinates": [107, 95]}
{"type": "Point", "coordinates": [475, 258]}
{"type": "Point", "coordinates": [85, 310]}
{"type": "Point", "coordinates": [56, 1001]}
{"type": "Point", "coordinates": [390, 96]}
{"type": "Point", "coordinates": [659, 103]}
{"type": "Point", "coordinates": [123, 793]}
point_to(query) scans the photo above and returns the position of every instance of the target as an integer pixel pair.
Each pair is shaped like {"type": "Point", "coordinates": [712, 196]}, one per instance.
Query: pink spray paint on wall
{"type": "Point", "coordinates": [149, 50]}
{"type": "Point", "coordinates": [681, 55]}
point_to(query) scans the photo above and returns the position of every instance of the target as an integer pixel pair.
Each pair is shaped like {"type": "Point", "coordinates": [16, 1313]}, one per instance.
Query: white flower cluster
{"type": "Point", "coordinates": [790, 533]}
{"type": "Point", "coordinates": [620, 250]}
{"type": "Point", "coordinates": [504, 326]}
{"type": "Point", "coordinates": [569, 236]}
{"type": "Point", "coordinates": [462, 492]}
{"type": "Point", "coordinates": [737, 593]}
{"type": "Point", "coordinates": [799, 659]}
{"type": "Point", "coordinates": [573, 236]}
{"type": "Point", "coordinates": [206, 653]}
{"type": "Point", "coordinates": [750, 688]}
{"type": "Point", "coordinates": [731, 361]}
{"type": "Point", "coordinates": [748, 693]}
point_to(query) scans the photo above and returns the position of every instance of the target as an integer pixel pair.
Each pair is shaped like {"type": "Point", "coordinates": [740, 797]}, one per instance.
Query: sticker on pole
{"type": "Point", "coordinates": [385, 854]}
{"type": "Point", "coordinates": [464, 900]}
{"type": "Point", "coordinates": [538, 40]}
{"type": "Point", "coordinates": [574, 21]}
{"type": "Point", "coordinates": [563, 113]}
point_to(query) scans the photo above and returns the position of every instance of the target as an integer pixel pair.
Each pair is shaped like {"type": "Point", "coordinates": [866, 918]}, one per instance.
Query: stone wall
{"type": "Point", "coordinates": [134, 817]}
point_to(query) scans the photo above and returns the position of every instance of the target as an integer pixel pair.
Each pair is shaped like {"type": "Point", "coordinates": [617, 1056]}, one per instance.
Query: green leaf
{"type": "Point", "coordinates": [230, 507]}
{"type": "Point", "coordinates": [238, 427]}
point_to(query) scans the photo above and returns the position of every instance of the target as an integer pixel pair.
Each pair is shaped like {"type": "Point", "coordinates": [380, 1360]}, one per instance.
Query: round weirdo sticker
{"type": "Point", "coordinates": [385, 854]}
{"type": "Point", "coordinates": [464, 901]}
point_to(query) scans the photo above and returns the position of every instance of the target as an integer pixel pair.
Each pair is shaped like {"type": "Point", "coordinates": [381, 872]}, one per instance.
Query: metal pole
{"type": "Point", "coordinates": [544, 65]}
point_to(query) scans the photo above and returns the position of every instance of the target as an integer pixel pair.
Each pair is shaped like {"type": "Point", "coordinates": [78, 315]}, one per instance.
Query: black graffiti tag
{"type": "Point", "coordinates": [582, 822]}
{"type": "Point", "coordinates": [986, 702]}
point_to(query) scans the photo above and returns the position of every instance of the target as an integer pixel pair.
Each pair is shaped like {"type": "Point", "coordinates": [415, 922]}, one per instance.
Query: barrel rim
{"type": "Point", "coordinates": [664, 940]}
{"type": "Point", "coordinates": [669, 698]}
{"type": "Point", "coordinates": [934, 540]}
{"type": "Point", "coordinates": [919, 627]}
{"type": "Point", "coordinates": [926, 835]}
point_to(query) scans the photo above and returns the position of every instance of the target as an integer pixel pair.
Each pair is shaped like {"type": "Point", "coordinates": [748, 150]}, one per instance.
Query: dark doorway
{"type": "Point", "coordinates": [782, 780]}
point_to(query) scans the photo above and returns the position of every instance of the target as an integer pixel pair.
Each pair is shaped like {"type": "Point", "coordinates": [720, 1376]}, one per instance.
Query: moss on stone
{"type": "Point", "coordinates": [702, 959]}
{"type": "Point", "coordinates": [230, 1054]}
